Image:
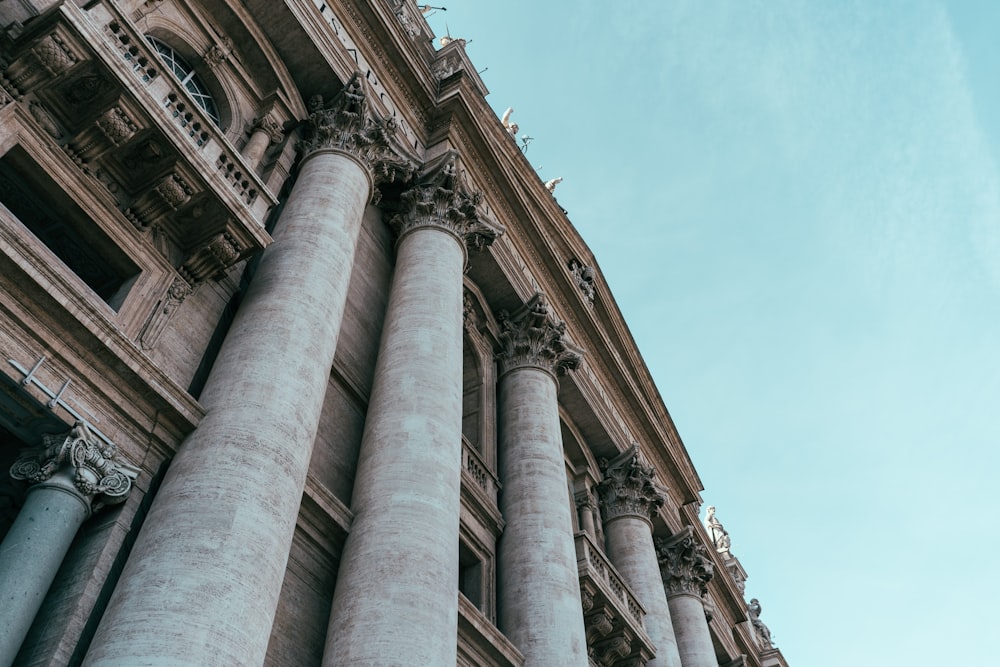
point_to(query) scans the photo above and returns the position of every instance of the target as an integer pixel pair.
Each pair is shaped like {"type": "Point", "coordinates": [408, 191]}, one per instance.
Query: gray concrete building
{"type": "Point", "coordinates": [302, 364]}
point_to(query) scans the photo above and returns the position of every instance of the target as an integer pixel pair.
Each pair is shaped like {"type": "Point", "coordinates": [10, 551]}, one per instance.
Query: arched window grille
{"type": "Point", "coordinates": [188, 78]}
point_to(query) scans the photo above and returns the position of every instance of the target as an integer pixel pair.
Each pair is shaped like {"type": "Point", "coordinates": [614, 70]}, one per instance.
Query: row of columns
{"type": "Point", "coordinates": [669, 576]}
{"type": "Point", "coordinates": [201, 585]}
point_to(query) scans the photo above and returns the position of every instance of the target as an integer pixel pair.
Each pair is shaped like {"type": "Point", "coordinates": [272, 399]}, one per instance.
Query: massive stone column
{"type": "Point", "coordinates": [539, 591]}
{"type": "Point", "coordinates": [396, 598]}
{"type": "Point", "coordinates": [202, 582]}
{"type": "Point", "coordinates": [72, 475]}
{"type": "Point", "coordinates": [629, 497]}
{"type": "Point", "coordinates": [686, 571]}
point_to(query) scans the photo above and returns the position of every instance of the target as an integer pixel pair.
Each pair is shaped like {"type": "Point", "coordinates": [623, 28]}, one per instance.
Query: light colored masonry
{"type": "Point", "coordinates": [302, 364]}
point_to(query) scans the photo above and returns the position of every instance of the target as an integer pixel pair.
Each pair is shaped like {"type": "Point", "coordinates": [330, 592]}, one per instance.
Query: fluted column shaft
{"type": "Point", "coordinates": [629, 498]}
{"type": "Point", "coordinates": [539, 592]}
{"type": "Point", "coordinates": [686, 571]}
{"type": "Point", "coordinates": [68, 471]}
{"type": "Point", "coordinates": [202, 582]}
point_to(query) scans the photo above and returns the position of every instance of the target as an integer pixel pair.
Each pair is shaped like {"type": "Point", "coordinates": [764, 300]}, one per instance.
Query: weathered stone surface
{"type": "Point", "coordinates": [397, 599]}
{"type": "Point", "coordinates": [628, 497]}
{"type": "Point", "coordinates": [686, 571]}
{"type": "Point", "coordinates": [536, 554]}
{"type": "Point", "coordinates": [231, 497]}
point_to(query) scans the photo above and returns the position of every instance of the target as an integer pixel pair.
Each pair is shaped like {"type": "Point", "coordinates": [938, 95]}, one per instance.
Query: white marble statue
{"type": "Point", "coordinates": [715, 531]}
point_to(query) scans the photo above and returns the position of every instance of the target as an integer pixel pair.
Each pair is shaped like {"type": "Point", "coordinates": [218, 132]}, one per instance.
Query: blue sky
{"type": "Point", "coordinates": [797, 207]}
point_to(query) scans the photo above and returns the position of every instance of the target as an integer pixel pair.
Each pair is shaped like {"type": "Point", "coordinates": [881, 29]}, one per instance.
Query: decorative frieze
{"type": "Point", "coordinates": [684, 564]}
{"type": "Point", "coordinates": [533, 337]}
{"type": "Point", "coordinates": [348, 124]}
{"type": "Point", "coordinates": [628, 487]}
{"type": "Point", "coordinates": [440, 198]}
{"type": "Point", "coordinates": [97, 471]}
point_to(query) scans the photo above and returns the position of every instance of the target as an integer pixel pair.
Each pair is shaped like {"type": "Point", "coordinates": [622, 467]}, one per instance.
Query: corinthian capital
{"type": "Point", "coordinates": [532, 337]}
{"type": "Point", "coordinates": [441, 198]}
{"type": "Point", "coordinates": [348, 124]}
{"type": "Point", "coordinates": [92, 464]}
{"type": "Point", "coordinates": [628, 487]}
{"type": "Point", "coordinates": [684, 564]}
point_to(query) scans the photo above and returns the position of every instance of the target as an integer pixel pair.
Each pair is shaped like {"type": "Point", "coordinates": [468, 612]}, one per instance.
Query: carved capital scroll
{"type": "Point", "coordinates": [97, 471]}
{"type": "Point", "coordinates": [684, 564]}
{"type": "Point", "coordinates": [628, 487]}
{"type": "Point", "coordinates": [441, 198]}
{"type": "Point", "coordinates": [533, 337]}
{"type": "Point", "coordinates": [348, 124]}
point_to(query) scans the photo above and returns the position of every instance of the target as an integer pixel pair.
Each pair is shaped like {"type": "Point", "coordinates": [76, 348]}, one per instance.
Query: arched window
{"type": "Point", "coordinates": [188, 78]}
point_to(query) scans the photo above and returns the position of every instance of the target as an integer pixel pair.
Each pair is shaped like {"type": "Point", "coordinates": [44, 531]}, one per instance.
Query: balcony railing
{"type": "Point", "coordinates": [614, 617]}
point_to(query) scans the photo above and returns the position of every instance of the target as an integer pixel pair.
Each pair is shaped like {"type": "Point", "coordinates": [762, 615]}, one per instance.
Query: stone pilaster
{"type": "Point", "coordinates": [686, 571]}
{"type": "Point", "coordinates": [540, 609]}
{"type": "Point", "coordinates": [403, 544]}
{"type": "Point", "coordinates": [203, 580]}
{"type": "Point", "coordinates": [629, 497]}
{"type": "Point", "coordinates": [72, 475]}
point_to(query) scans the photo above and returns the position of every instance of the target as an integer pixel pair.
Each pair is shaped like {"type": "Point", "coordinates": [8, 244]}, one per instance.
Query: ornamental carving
{"type": "Point", "coordinates": [117, 125]}
{"type": "Point", "coordinates": [628, 487]}
{"type": "Point", "coordinates": [440, 198]}
{"type": "Point", "coordinates": [684, 564]}
{"type": "Point", "coordinates": [534, 338]}
{"type": "Point", "coordinates": [348, 124]}
{"type": "Point", "coordinates": [53, 54]}
{"type": "Point", "coordinates": [268, 126]}
{"type": "Point", "coordinates": [93, 464]}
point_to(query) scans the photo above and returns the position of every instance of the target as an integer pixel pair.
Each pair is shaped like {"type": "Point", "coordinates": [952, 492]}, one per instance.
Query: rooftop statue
{"type": "Point", "coordinates": [715, 531]}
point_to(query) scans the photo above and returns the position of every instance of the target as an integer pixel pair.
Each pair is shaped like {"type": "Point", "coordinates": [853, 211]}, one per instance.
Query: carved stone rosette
{"type": "Point", "coordinates": [684, 564]}
{"type": "Point", "coordinates": [533, 337]}
{"type": "Point", "coordinates": [628, 488]}
{"type": "Point", "coordinates": [96, 469]}
{"type": "Point", "coordinates": [441, 199]}
{"type": "Point", "coordinates": [348, 124]}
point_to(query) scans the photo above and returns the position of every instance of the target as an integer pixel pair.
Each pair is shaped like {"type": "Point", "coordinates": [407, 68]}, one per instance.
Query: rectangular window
{"type": "Point", "coordinates": [56, 220]}
{"type": "Point", "coordinates": [470, 575]}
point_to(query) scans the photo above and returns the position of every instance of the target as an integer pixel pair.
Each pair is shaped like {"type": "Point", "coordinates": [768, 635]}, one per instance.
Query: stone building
{"type": "Point", "coordinates": [303, 364]}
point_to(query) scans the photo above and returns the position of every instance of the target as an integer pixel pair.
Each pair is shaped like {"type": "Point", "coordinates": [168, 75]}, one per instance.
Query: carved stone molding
{"type": "Point", "coordinates": [533, 337]}
{"type": "Point", "coordinates": [219, 52]}
{"type": "Point", "coordinates": [628, 488]}
{"type": "Point", "coordinates": [348, 124]}
{"type": "Point", "coordinates": [176, 293]}
{"type": "Point", "coordinates": [441, 198]}
{"type": "Point", "coordinates": [684, 564]}
{"type": "Point", "coordinates": [97, 471]}
{"type": "Point", "coordinates": [211, 259]}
